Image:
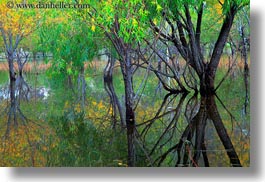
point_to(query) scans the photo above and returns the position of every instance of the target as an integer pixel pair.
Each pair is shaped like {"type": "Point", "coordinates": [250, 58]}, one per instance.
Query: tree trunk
{"type": "Point", "coordinates": [130, 115]}
{"type": "Point", "coordinates": [114, 100]}
{"type": "Point", "coordinates": [13, 107]}
{"type": "Point", "coordinates": [208, 110]}
{"type": "Point", "coordinates": [222, 132]}
{"type": "Point", "coordinates": [207, 81]}
{"type": "Point", "coordinates": [124, 51]}
{"type": "Point", "coordinates": [22, 87]}
{"type": "Point", "coordinates": [208, 75]}
{"type": "Point", "coordinates": [246, 67]}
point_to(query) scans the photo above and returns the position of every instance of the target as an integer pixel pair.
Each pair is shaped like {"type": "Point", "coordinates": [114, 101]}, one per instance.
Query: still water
{"type": "Point", "coordinates": [172, 130]}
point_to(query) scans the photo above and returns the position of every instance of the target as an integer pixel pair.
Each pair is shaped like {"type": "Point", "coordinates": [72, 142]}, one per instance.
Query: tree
{"type": "Point", "coordinates": [71, 43]}
{"type": "Point", "coordinates": [242, 26]}
{"type": "Point", "coordinates": [15, 24]}
{"type": "Point", "coordinates": [185, 19]}
{"type": "Point", "coordinates": [123, 23]}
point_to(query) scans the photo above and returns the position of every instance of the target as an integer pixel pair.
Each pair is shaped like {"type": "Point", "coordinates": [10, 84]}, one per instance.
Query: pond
{"type": "Point", "coordinates": [172, 130]}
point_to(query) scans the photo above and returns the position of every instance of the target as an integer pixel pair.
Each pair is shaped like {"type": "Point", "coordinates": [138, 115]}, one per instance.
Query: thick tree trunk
{"type": "Point", "coordinates": [208, 75]}
{"type": "Point", "coordinates": [207, 82]}
{"type": "Point", "coordinates": [197, 125]}
{"type": "Point", "coordinates": [222, 132]}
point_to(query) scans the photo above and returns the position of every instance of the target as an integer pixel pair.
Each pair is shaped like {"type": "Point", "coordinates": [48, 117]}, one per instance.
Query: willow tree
{"type": "Point", "coordinates": [15, 24]}
{"type": "Point", "coordinates": [71, 43]}
{"type": "Point", "coordinates": [185, 21]}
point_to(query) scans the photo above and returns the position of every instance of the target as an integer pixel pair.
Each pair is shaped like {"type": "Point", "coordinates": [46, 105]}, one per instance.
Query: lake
{"type": "Point", "coordinates": [182, 130]}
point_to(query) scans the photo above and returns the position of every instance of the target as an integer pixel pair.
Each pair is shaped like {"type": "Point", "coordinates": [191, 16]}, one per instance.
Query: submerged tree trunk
{"type": "Point", "coordinates": [124, 51]}
{"type": "Point", "coordinates": [18, 88]}
{"type": "Point", "coordinates": [197, 129]}
{"type": "Point", "coordinates": [126, 67]}
{"type": "Point", "coordinates": [12, 117]}
{"type": "Point", "coordinates": [114, 100]}
{"type": "Point", "coordinates": [222, 132]}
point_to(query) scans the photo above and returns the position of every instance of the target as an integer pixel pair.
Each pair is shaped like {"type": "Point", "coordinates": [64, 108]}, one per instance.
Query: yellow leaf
{"type": "Point", "coordinates": [155, 21]}
{"type": "Point", "coordinates": [134, 22]}
{"type": "Point", "coordinates": [93, 28]}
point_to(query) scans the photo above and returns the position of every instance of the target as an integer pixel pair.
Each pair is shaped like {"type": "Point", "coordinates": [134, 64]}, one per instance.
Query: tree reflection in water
{"type": "Point", "coordinates": [187, 146]}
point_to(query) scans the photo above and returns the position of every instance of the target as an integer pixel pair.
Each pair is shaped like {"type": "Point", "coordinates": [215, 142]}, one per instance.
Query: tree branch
{"type": "Point", "coordinates": [222, 38]}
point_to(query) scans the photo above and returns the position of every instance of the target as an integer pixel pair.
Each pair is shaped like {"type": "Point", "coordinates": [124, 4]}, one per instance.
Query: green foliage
{"type": "Point", "coordinates": [236, 4]}
{"type": "Point", "coordinates": [131, 16]}
{"type": "Point", "coordinates": [70, 42]}
{"type": "Point", "coordinates": [214, 12]}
